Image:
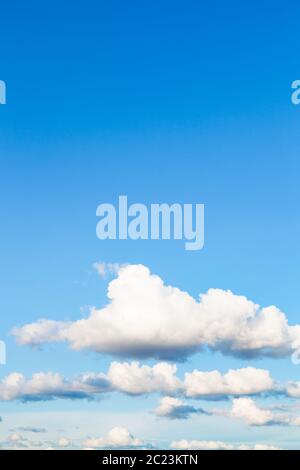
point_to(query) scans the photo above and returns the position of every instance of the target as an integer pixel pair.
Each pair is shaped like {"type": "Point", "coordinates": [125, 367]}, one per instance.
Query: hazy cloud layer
{"type": "Point", "coordinates": [217, 445]}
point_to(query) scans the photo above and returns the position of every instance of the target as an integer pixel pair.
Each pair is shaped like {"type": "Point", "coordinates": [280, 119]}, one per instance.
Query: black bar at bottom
{"type": "Point", "coordinates": [137, 458]}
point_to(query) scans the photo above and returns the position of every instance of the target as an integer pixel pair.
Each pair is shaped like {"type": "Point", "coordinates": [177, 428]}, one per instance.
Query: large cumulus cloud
{"type": "Point", "coordinates": [146, 318]}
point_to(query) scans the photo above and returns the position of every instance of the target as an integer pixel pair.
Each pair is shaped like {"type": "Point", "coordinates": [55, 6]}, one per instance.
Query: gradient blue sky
{"type": "Point", "coordinates": [166, 102]}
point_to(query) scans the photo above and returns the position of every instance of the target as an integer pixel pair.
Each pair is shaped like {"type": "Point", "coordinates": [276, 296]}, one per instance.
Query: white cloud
{"type": "Point", "coordinates": [46, 386]}
{"type": "Point", "coordinates": [217, 445]}
{"type": "Point", "coordinates": [248, 411]}
{"type": "Point", "coordinates": [145, 318]}
{"type": "Point", "coordinates": [293, 389]}
{"type": "Point", "coordinates": [42, 331]}
{"type": "Point", "coordinates": [15, 437]}
{"type": "Point", "coordinates": [64, 442]}
{"type": "Point", "coordinates": [17, 441]}
{"type": "Point", "coordinates": [247, 381]}
{"type": "Point", "coordinates": [135, 379]}
{"type": "Point", "coordinates": [295, 421]}
{"type": "Point", "coordinates": [117, 437]}
{"type": "Point", "coordinates": [173, 408]}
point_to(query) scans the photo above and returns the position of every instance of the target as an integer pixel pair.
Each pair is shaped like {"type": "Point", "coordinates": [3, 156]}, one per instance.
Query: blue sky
{"type": "Point", "coordinates": [164, 102]}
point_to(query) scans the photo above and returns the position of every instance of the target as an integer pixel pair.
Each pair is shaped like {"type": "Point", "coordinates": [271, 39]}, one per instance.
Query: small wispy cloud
{"type": "Point", "coordinates": [106, 269]}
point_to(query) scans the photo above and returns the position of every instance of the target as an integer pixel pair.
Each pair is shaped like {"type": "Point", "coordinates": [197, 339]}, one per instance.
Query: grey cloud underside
{"type": "Point", "coordinates": [185, 411]}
